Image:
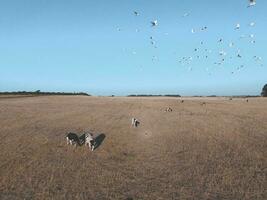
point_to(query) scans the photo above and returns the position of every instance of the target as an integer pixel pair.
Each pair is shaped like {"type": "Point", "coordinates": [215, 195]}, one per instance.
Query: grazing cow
{"type": "Point", "coordinates": [72, 139]}
{"type": "Point", "coordinates": [90, 141]}
{"type": "Point", "coordinates": [168, 109]}
{"type": "Point", "coordinates": [135, 122]}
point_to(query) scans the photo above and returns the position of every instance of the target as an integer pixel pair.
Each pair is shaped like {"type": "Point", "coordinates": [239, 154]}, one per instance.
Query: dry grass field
{"type": "Point", "coordinates": [212, 151]}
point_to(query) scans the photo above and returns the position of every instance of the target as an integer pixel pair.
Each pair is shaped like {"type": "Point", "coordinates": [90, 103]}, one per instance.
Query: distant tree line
{"type": "Point", "coordinates": [151, 95]}
{"type": "Point", "coordinates": [245, 96]}
{"type": "Point", "coordinates": [264, 91]}
{"type": "Point", "coordinates": [38, 92]}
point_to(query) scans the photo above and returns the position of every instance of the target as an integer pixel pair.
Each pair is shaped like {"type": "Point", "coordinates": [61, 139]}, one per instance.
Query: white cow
{"type": "Point", "coordinates": [90, 141]}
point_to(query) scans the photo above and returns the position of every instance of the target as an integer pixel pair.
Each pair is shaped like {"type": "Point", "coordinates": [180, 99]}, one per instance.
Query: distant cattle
{"type": "Point", "coordinates": [72, 139]}
{"type": "Point", "coordinates": [168, 109]}
{"type": "Point", "coordinates": [135, 122]}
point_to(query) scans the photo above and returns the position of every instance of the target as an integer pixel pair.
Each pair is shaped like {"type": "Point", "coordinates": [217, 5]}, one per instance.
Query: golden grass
{"type": "Point", "coordinates": [212, 151]}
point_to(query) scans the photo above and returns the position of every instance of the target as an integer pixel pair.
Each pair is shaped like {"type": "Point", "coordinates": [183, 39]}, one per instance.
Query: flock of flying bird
{"type": "Point", "coordinates": [187, 60]}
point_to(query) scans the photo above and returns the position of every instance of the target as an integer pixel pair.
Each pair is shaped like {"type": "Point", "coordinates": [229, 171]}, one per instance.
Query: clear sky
{"type": "Point", "coordinates": [101, 47]}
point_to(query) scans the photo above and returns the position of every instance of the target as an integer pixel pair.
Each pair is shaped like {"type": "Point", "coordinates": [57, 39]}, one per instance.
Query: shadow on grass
{"type": "Point", "coordinates": [99, 139]}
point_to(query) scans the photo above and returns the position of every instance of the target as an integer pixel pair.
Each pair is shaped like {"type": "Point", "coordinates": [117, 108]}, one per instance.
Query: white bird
{"type": "Point", "coordinates": [154, 23]}
{"type": "Point", "coordinates": [222, 53]}
{"type": "Point", "coordinates": [231, 44]}
{"type": "Point", "coordinates": [136, 13]}
{"type": "Point", "coordinates": [186, 14]}
{"type": "Point", "coordinates": [192, 30]}
{"type": "Point", "coordinates": [252, 24]}
{"type": "Point", "coordinates": [252, 3]}
{"type": "Point", "coordinates": [154, 58]}
{"type": "Point", "coordinates": [237, 26]}
{"type": "Point", "coordinates": [257, 59]}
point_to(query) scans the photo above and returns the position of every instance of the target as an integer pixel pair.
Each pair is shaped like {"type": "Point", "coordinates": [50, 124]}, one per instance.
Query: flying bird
{"type": "Point", "coordinates": [186, 15]}
{"type": "Point", "coordinates": [252, 24]}
{"type": "Point", "coordinates": [136, 13]}
{"type": "Point", "coordinates": [154, 23]}
{"type": "Point", "coordinates": [204, 28]}
{"type": "Point", "coordinates": [222, 53]}
{"type": "Point", "coordinates": [154, 58]}
{"type": "Point", "coordinates": [252, 3]}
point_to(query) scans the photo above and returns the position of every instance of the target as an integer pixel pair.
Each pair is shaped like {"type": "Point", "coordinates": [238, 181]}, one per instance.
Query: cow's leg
{"type": "Point", "coordinates": [92, 144]}
{"type": "Point", "coordinates": [89, 145]}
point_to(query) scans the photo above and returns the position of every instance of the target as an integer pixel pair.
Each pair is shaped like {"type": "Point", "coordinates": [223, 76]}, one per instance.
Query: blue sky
{"type": "Point", "coordinates": [75, 45]}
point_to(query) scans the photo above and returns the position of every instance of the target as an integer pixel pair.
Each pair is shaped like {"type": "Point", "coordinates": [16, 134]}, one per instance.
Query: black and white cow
{"type": "Point", "coordinates": [72, 139]}
{"type": "Point", "coordinates": [135, 122]}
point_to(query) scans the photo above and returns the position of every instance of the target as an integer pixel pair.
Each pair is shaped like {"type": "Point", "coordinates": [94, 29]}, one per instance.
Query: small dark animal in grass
{"type": "Point", "coordinates": [72, 139]}
{"type": "Point", "coordinates": [247, 100]}
{"type": "Point", "coordinates": [230, 99]}
{"type": "Point", "coordinates": [203, 103]}
{"type": "Point", "coordinates": [182, 101]}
